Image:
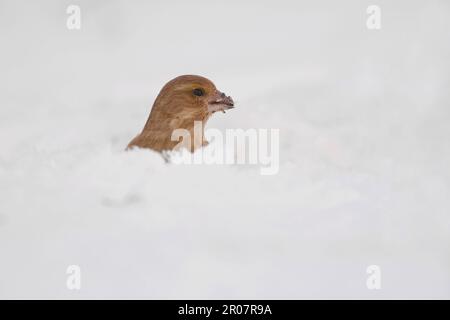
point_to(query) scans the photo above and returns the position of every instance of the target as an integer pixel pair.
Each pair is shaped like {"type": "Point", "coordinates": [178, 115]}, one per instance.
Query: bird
{"type": "Point", "coordinates": [181, 102]}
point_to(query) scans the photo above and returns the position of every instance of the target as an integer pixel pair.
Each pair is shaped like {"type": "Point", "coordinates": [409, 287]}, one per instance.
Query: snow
{"type": "Point", "coordinates": [364, 151]}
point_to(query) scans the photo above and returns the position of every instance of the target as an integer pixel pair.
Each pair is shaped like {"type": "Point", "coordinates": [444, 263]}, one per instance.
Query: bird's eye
{"type": "Point", "coordinates": [198, 92]}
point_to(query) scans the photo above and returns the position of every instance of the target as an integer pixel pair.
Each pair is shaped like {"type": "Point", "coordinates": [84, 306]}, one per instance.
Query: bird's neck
{"type": "Point", "coordinates": [176, 132]}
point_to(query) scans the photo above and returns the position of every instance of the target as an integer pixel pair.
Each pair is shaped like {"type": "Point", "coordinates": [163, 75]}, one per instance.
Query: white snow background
{"type": "Point", "coordinates": [364, 150]}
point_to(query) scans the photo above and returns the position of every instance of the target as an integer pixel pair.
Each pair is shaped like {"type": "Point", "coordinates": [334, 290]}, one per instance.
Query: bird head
{"type": "Point", "coordinates": [192, 97]}
{"type": "Point", "coordinates": [180, 103]}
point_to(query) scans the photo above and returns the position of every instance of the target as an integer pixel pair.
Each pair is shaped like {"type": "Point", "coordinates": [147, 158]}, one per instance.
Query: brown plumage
{"type": "Point", "coordinates": [180, 102]}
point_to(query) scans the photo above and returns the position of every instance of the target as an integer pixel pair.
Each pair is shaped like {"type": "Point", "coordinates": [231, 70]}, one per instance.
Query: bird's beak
{"type": "Point", "coordinates": [220, 102]}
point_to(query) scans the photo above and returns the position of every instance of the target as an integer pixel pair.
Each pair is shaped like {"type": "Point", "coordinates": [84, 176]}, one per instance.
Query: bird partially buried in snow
{"type": "Point", "coordinates": [181, 102]}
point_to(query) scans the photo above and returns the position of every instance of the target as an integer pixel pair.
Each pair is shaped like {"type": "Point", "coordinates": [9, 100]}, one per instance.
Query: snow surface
{"type": "Point", "coordinates": [364, 151]}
